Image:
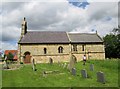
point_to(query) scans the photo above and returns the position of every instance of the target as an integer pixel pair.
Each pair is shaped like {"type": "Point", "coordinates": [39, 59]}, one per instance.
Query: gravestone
{"type": "Point", "coordinates": [50, 60]}
{"type": "Point", "coordinates": [44, 74]}
{"type": "Point", "coordinates": [64, 65]}
{"type": "Point", "coordinates": [33, 65]}
{"type": "Point", "coordinates": [84, 73]}
{"type": "Point", "coordinates": [71, 63]}
{"type": "Point", "coordinates": [73, 71]}
{"type": "Point", "coordinates": [59, 63]}
{"type": "Point", "coordinates": [91, 67]}
{"type": "Point", "coordinates": [74, 58]}
{"type": "Point", "coordinates": [5, 65]}
{"type": "Point", "coordinates": [100, 77]}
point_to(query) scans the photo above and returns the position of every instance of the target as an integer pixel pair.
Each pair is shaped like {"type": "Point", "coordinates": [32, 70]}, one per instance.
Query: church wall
{"type": "Point", "coordinates": [92, 51]}
{"type": "Point", "coordinates": [37, 51]}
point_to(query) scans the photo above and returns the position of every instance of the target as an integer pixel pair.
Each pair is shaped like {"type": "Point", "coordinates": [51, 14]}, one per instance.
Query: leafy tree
{"type": "Point", "coordinates": [10, 56]}
{"type": "Point", "coordinates": [112, 44]}
{"type": "Point", "coordinates": [117, 30]}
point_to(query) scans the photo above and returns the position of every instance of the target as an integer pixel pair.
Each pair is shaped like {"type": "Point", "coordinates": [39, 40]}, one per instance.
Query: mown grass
{"type": "Point", "coordinates": [26, 77]}
{"type": "Point", "coordinates": [0, 76]}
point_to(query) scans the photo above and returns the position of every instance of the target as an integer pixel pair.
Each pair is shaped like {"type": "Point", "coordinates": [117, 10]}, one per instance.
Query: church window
{"type": "Point", "coordinates": [60, 49]}
{"type": "Point", "coordinates": [75, 47]}
{"type": "Point", "coordinates": [45, 50]}
{"type": "Point", "coordinates": [83, 47]}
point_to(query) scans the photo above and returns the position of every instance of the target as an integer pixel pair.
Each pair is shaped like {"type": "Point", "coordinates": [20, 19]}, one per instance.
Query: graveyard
{"type": "Point", "coordinates": [58, 75]}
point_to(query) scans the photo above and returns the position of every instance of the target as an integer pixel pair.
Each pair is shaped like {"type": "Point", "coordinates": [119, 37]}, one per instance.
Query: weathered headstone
{"type": "Point", "coordinates": [50, 60]}
{"type": "Point", "coordinates": [74, 58]}
{"type": "Point", "coordinates": [5, 65]}
{"type": "Point", "coordinates": [44, 74]}
{"type": "Point", "coordinates": [91, 67]}
{"type": "Point", "coordinates": [73, 71]}
{"type": "Point", "coordinates": [64, 65]}
{"type": "Point", "coordinates": [59, 63]}
{"type": "Point", "coordinates": [100, 77]}
{"type": "Point", "coordinates": [84, 73]}
{"type": "Point", "coordinates": [71, 63]}
{"type": "Point", "coordinates": [33, 65]}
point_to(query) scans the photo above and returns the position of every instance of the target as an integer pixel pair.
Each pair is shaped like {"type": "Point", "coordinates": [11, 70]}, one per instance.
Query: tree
{"type": "Point", "coordinates": [112, 44]}
{"type": "Point", "coordinates": [117, 30]}
{"type": "Point", "coordinates": [10, 56]}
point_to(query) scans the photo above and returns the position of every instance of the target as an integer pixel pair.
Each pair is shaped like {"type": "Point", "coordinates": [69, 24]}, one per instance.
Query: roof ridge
{"type": "Point", "coordinates": [46, 31]}
{"type": "Point", "coordinates": [84, 33]}
{"type": "Point", "coordinates": [68, 36]}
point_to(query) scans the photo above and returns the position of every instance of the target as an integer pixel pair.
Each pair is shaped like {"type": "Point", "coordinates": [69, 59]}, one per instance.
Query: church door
{"type": "Point", "coordinates": [27, 58]}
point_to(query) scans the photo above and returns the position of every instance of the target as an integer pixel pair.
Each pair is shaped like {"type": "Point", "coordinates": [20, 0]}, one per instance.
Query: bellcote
{"type": "Point", "coordinates": [24, 27]}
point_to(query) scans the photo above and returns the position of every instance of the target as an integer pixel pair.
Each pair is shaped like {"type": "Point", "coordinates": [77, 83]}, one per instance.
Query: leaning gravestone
{"type": "Point", "coordinates": [73, 71]}
{"type": "Point", "coordinates": [50, 60]}
{"type": "Point", "coordinates": [33, 65]}
{"type": "Point", "coordinates": [91, 67]}
{"type": "Point", "coordinates": [71, 63]}
{"type": "Point", "coordinates": [100, 77]}
{"type": "Point", "coordinates": [84, 73]}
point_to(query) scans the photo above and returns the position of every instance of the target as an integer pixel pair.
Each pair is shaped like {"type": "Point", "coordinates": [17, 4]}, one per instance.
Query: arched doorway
{"type": "Point", "coordinates": [27, 57]}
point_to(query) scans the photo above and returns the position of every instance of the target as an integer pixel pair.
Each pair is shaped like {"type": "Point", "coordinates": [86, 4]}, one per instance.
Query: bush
{"type": "Point", "coordinates": [21, 62]}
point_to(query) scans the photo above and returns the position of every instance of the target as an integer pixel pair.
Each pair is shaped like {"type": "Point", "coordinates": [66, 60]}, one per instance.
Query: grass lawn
{"type": "Point", "coordinates": [0, 76]}
{"type": "Point", "coordinates": [26, 77]}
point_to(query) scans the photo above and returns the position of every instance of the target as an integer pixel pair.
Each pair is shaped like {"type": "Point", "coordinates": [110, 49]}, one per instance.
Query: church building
{"type": "Point", "coordinates": [58, 45]}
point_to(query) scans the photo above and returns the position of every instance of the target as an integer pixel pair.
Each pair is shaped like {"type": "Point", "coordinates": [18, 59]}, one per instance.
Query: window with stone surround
{"type": "Point", "coordinates": [74, 47]}
{"type": "Point", "coordinates": [45, 50]}
{"type": "Point", "coordinates": [60, 49]}
{"type": "Point", "coordinates": [83, 47]}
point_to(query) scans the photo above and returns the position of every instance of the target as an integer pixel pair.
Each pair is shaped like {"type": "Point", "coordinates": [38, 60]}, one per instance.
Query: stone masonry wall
{"type": "Point", "coordinates": [92, 51]}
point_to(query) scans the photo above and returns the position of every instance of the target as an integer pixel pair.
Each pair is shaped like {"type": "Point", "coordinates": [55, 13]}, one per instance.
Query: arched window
{"type": "Point", "coordinates": [60, 49]}
{"type": "Point", "coordinates": [45, 50]}
{"type": "Point", "coordinates": [83, 47]}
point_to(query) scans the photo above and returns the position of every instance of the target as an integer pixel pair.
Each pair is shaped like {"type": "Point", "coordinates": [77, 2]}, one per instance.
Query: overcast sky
{"type": "Point", "coordinates": [62, 15]}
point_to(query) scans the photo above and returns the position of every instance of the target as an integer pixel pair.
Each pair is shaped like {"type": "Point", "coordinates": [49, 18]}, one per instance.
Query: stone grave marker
{"type": "Point", "coordinates": [59, 63]}
{"type": "Point", "coordinates": [91, 67]}
{"type": "Point", "coordinates": [84, 73]}
{"type": "Point", "coordinates": [33, 65]}
{"type": "Point", "coordinates": [64, 65]}
{"type": "Point", "coordinates": [50, 60]}
{"type": "Point", "coordinates": [100, 77]}
{"type": "Point", "coordinates": [73, 71]}
{"type": "Point", "coordinates": [44, 74]}
{"type": "Point", "coordinates": [5, 65]}
{"type": "Point", "coordinates": [71, 63]}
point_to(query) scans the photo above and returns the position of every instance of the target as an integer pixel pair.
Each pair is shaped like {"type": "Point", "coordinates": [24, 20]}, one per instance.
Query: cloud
{"type": "Point", "coordinates": [11, 33]}
{"type": "Point", "coordinates": [8, 45]}
{"type": "Point", "coordinates": [57, 16]}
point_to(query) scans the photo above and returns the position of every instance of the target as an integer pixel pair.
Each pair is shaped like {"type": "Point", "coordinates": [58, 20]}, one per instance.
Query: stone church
{"type": "Point", "coordinates": [58, 45]}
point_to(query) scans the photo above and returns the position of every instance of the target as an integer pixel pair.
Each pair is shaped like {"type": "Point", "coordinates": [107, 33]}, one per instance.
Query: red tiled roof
{"type": "Point", "coordinates": [15, 57]}
{"type": "Point", "coordinates": [14, 52]}
{"type": "Point", "coordinates": [10, 51]}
